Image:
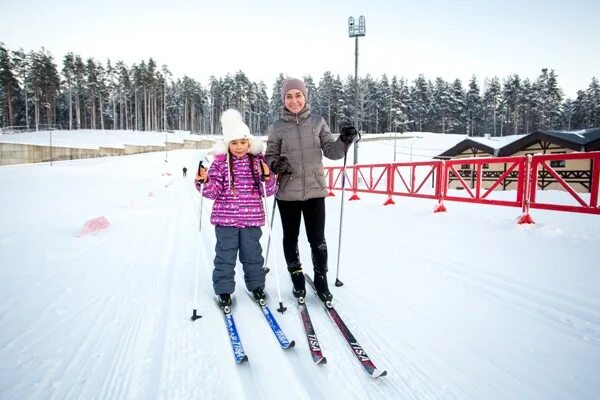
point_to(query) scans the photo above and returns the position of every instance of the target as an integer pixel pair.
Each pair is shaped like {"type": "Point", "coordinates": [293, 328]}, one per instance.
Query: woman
{"type": "Point", "coordinates": [295, 148]}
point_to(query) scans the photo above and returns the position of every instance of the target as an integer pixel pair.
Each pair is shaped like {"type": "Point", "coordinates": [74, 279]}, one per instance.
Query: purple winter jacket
{"type": "Point", "coordinates": [241, 207]}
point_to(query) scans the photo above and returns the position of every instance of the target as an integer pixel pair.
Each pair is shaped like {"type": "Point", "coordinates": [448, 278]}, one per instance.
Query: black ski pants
{"type": "Point", "coordinates": [313, 212]}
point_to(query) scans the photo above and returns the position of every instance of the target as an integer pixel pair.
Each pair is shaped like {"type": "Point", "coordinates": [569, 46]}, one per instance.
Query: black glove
{"type": "Point", "coordinates": [281, 166]}
{"type": "Point", "coordinates": [348, 133]}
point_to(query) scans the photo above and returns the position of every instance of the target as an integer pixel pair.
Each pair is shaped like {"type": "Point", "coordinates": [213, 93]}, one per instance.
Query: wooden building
{"type": "Point", "coordinates": [575, 172]}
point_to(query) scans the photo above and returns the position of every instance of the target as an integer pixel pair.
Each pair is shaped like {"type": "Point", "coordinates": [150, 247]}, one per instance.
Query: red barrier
{"type": "Point", "coordinates": [476, 181]}
{"type": "Point", "coordinates": [336, 177]}
{"type": "Point", "coordinates": [506, 176]}
{"type": "Point", "coordinates": [588, 176]}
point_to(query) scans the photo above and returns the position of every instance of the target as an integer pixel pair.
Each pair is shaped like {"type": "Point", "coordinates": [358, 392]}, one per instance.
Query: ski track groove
{"type": "Point", "coordinates": [169, 265]}
{"type": "Point", "coordinates": [118, 375]}
{"type": "Point", "coordinates": [340, 358]}
{"type": "Point", "coordinates": [554, 306]}
{"type": "Point", "coordinates": [106, 306]}
{"type": "Point", "coordinates": [176, 343]}
{"type": "Point", "coordinates": [409, 380]}
{"type": "Point", "coordinates": [117, 378]}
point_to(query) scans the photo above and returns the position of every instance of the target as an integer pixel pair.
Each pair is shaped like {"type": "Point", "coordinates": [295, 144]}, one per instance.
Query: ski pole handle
{"type": "Point", "coordinates": [200, 167]}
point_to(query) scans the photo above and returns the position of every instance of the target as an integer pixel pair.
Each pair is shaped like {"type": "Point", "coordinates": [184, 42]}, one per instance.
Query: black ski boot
{"type": "Point", "coordinates": [322, 288]}
{"type": "Point", "coordinates": [259, 296]}
{"type": "Point", "coordinates": [295, 270]}
{"type": "Point", "coordinates": [319, 259]}
{"type": "Point", "coordinates": [225, 302]}
{"type": "Point", "coordinates": [299, 290]}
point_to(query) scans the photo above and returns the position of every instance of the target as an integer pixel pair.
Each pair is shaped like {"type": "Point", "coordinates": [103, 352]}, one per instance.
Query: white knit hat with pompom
{"type": "Point", "coordinates": [234, 128]}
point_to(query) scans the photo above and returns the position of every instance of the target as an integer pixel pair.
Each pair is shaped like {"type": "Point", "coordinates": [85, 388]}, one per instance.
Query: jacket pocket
{"type": "Point", "coordinates": [320, 179]}
{"type": "Point", "coordinates": [284, 182]}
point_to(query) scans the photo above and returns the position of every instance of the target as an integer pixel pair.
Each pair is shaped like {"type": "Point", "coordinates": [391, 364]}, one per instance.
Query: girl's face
{"type": "Point", "coordinates": [294, 101]}
{"type": "Point", "coordinates": [239, 147]}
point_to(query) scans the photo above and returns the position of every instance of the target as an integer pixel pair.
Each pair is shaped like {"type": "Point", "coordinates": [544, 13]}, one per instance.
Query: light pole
{"type": "Point", "coordinates": [395, 140]}
{"type": "Point", "coordinates": [355, 32]}
{"type": "Point", "coordinates": [47, 105]}
{"type": "Point", "coordinates": [166, 149]}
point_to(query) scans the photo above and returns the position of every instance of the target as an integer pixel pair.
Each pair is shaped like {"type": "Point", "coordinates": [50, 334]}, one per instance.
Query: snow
{"type": "Point", "coordinates": [93, 139]}
{"type": "Point", "coordinates": [465, 304]}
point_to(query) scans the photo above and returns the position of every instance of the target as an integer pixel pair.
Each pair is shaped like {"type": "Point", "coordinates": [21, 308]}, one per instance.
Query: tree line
{"type": "Point", "coordinates": [36, 92]}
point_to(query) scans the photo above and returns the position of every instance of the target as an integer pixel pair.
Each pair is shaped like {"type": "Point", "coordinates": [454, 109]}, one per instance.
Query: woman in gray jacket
{"type": "Point", "coordinates": [295, 148]}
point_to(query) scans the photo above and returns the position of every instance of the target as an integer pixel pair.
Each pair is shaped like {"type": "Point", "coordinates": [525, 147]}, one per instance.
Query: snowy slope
{"type": "Point", "coordinates": [460, 305]}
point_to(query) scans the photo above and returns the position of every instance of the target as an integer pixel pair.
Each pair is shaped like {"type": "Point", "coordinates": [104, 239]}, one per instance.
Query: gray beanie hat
{"type": "Point", "coordinates": [293, 83]}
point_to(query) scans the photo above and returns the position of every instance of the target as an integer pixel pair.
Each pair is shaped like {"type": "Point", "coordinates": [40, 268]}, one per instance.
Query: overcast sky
{"type": "Point", "coordinates": [449, 39]}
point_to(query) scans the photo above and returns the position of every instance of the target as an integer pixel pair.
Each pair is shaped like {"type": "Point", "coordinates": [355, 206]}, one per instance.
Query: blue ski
{"type": "Point", "coordinates": [234, 337]}
{"type": "Point", "coordinates": [236, 343]}
{"type": "Point", "coordinates": [281, 338]}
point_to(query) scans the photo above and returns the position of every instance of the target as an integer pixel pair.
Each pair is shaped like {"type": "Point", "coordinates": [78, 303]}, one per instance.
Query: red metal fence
{"type": "Point", "coordinates": [506, 181]}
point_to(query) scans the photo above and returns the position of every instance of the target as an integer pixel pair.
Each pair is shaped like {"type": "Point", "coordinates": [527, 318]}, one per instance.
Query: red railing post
{"type": "Point", "coordinates": [441, 188]}
{"type": "Point", "coordinates": [354, 184]}
{"type": "Point", "coordinates": [525, 218]}
{"type": "Point", "coordinates": [390, 184]}
{"type": "Point", "coordinates": [331, 170]}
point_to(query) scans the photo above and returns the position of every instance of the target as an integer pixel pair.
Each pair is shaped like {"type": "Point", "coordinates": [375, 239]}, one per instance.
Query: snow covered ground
{"type": "Point", "coordinates": [465, 304]}
{"type": "Point", "coordinates": [92, 139]}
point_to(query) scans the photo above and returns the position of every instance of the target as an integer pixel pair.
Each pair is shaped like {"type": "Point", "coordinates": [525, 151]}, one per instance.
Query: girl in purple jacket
{"type": "Point", "coordinates": [235, 182]}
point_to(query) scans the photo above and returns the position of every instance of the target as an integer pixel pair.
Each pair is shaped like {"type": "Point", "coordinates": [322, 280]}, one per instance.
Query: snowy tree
{"type": "Point", "coordinates": [527, 104]}
{"type": "Point", "coordinates": [45, 83]}
{"type": "Point", "coordinates": [568, 109]}
{"type": "Point", "coordinates": [547, 98]}
{"type": "Point", "coordinates": [400, 104]}
{"type": "Point", "coordinates": [586, 107]}
{"type": "Point", "coordinates": [313, 94]}
{"type": "Point", "coordinates": [442, 106]}
{"type": "Point", "coordinates": [457, 110]}
{"type": "Point", "coordinates": [511, 100]}
{"type": "Point", "coordinates": [332, 101]}
{"type": "Point", "coordinates": [593, 104]}
{"type": "Point", "coordinates": [473, 107]}
{"type": "Point", "coordinates": [9, 87]}
{"type": "Point", "coordinates": [492, 94]}
{"type": "Point", "coordinates": [276, 106]}
{"type": "Point", "coordinates": [419, 102]}
{"type": "Point", "coordinates": [326, 93]}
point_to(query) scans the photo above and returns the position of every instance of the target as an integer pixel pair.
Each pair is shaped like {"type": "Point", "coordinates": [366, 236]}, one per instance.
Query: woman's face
{"type": "Point", "coordinates": [294, 101]}
{"type": "Point", "coordinates": [239, 147]}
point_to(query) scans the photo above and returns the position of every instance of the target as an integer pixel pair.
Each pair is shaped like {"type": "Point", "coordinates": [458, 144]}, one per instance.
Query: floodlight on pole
{"type": "Point", "coordinates": [356, 31]}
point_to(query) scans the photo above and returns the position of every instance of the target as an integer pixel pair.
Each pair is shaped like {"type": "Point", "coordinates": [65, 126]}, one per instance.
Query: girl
{"type": "Point", "coordinates": [235, 182]}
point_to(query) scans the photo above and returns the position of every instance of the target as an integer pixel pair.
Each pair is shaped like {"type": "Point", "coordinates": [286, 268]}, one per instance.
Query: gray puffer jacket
{"type": "Point", "coordinates": [303, 139]}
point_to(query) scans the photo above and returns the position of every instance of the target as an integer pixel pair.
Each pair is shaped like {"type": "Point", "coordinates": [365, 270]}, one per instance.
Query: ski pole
{"type": "Point", "coordinates": [281, 308]}
{"type": "Point", "coordinates": [269, 240]}
{"type": "Point", "coordinates": [201, 200]}
{"type": "Point", "coordinates": [339, 283]}
{"type": "Point", "coordinates": [195, 315]}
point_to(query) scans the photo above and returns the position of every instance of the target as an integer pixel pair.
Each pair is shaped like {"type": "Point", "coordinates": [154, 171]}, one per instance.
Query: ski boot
{"type": "Point", "coordinates": [323, 289]}
{"type": "Point", "coordinates": [259, 296]}
{"type": "Point", "coordinates": [225, 302]}
{"type": "Point", "coordinates": [299, 290]}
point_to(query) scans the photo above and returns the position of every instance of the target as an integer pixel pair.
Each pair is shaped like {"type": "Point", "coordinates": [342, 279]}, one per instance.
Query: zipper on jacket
{"type": "Point", "coordinates": [301, 158]}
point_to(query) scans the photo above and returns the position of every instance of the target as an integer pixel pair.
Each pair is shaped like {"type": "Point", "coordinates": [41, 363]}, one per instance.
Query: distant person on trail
{"type": "Point", "coordinates": [184, 172]}
{"type": "Point", "coordinates": [236, 181]}
{"type": "Point", "coordinates": [295, 148]}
